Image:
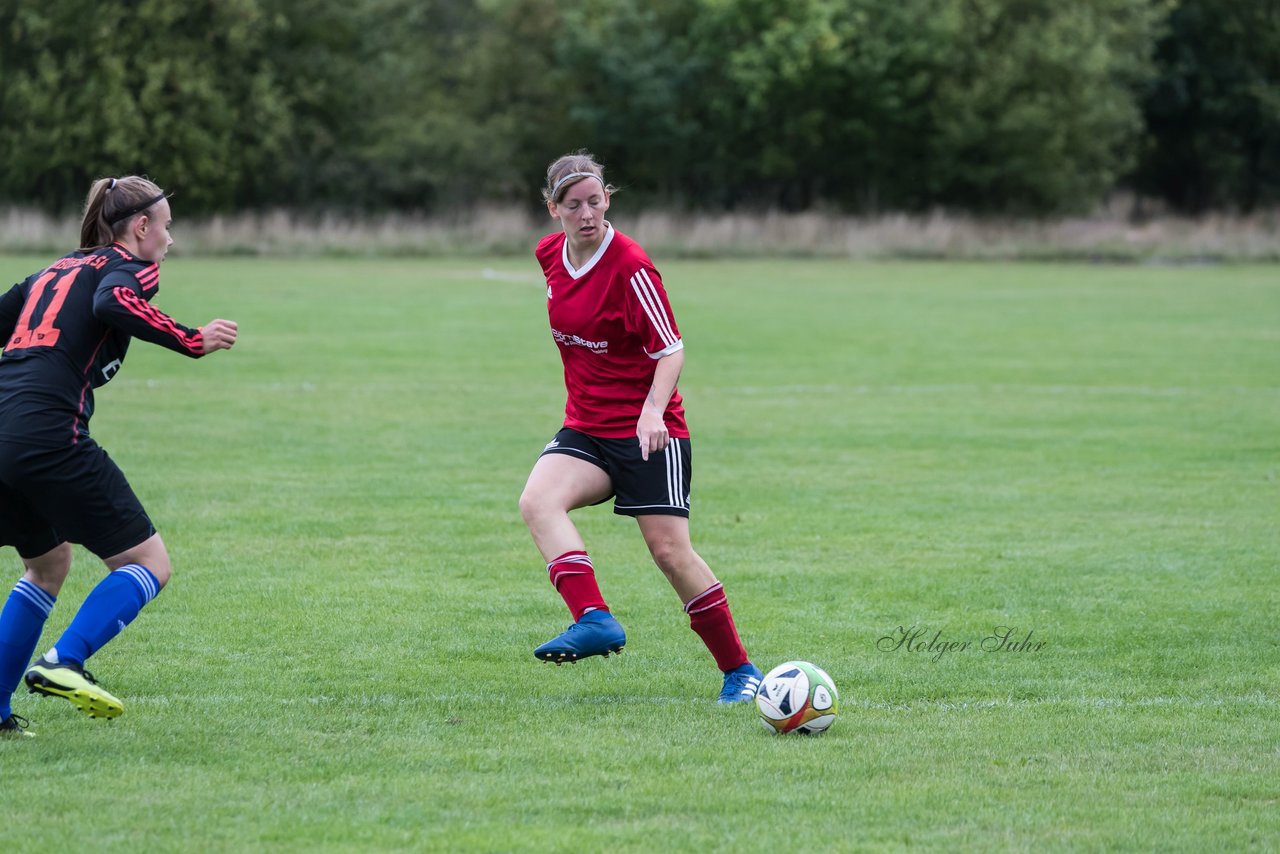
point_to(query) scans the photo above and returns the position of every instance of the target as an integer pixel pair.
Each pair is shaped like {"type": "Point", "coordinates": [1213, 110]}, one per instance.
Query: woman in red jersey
{"type": "Point", "coordinates": [65, 331]}
{"type": "Point", "coordinates": [624, 433]}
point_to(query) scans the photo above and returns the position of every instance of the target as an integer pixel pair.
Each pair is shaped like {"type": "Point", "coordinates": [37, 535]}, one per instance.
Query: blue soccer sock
{"type": "Point", "coordinates": [20, 624]}
{"type": "Point", "coordinates": [107, 609]}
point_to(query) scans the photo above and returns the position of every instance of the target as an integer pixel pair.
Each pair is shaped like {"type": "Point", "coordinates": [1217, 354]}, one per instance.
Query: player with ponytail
{"type": "Point", "coordinates": [624, 435]}
{"type": "Point", "coordinates": [65, 331]}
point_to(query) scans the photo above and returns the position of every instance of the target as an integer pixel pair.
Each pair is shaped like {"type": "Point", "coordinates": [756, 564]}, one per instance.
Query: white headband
{"type": "Point", "coordinates": [556, 189]}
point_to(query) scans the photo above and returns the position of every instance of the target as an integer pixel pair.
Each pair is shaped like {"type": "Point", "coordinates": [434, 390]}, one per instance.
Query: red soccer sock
{"type": "Point", "coordinates": [709, 616]}
{"type": "Point", "coordinates": [575, 580]}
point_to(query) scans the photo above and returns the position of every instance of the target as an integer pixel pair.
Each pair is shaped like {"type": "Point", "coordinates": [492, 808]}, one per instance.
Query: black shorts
{"type": "Point", "coordinates": [658, 487]}
{"type": "Point", "coordinates": [70, 494]}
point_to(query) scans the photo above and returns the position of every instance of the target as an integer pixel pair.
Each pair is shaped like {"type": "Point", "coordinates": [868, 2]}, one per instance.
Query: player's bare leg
{"type": "Point", "coordinates": [150, 553]}
{"type": "Point", "coordinates": [558, 484]}
{"type": "Point", "coordinates": [668, 540]}
{"type": "Point", "coordinates": [49, 570]}
{"type": "Point", "coordinates": [704, 601]}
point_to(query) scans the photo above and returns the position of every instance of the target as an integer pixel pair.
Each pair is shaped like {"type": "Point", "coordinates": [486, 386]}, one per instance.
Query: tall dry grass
{"type": "Point", "coordinates": [1109, 235]}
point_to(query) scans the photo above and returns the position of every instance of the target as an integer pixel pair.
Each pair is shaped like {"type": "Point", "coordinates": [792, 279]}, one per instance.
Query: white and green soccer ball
{"type": "Point", "coordinates": [797, 697]}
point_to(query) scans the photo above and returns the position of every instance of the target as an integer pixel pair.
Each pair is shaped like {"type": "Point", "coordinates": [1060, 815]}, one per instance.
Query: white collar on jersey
{"type": "Point", "coordinates": [586, 268]}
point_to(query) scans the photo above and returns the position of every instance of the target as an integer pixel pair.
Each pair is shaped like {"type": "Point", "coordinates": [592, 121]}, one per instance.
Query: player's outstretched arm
{"type": "Point", "coordinates": [218, 335]}
{"type": "Point", "coordinates": [119, 304]}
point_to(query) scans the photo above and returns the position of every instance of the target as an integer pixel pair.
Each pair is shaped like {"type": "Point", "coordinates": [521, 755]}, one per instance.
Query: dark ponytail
{"type": "Point", "coordinates": [94, 231]}
{"type": "Point", "coordinates": [112, 203]}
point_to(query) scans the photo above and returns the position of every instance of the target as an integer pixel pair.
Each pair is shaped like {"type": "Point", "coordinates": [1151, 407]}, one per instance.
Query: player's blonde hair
{"type": "Point", "coordinates": [569, 170]}
{"type": "Point", "coordinates": [111, 204]}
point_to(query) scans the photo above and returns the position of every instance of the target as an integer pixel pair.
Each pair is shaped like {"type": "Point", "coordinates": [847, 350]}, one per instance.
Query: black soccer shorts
{"type": "Point", "coordinates": [75, 494]}
{"type": "Point", "coordinates": [658, 487]}
{"type": "Point", "coordinates": [22, 528]}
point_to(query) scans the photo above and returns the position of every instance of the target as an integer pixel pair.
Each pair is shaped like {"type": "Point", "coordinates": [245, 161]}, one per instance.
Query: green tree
{"type": "Point", "coordinates": [460, 97]}
{"type": "Point", "coordinates": [825, 99]}
{"type": "Point", "coordinates": [1008, 105]}
{"type": "Point", "coordinates": [632, 82]}
{"type": "Point", "coordinates": [1037, 110]}
{"type": "Point", "coordinates": [321, 51]}
{"type": "Point", "coordinates": [998, 105]}
{"type": "Point", "coordinates": [1214, 114]}
{"type": "Point", "coordinates": [185, 92]}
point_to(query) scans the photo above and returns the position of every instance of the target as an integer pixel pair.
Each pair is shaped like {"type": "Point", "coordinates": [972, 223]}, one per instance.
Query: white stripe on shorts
{"type": "Point", "coordinates": [675, 474]}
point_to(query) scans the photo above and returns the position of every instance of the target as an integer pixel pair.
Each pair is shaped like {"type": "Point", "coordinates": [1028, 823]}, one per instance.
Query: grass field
{"type": "Point", "coordinates": [1089, 454]}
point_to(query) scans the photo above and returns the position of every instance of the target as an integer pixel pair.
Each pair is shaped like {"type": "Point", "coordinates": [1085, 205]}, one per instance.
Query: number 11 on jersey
{"type": "Point", "coordinates": [46, 334]}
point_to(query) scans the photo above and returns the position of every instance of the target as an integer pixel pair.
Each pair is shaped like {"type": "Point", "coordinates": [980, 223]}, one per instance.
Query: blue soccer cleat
{"type": "Point", "coordinates": [741, 684]}
{"type": "Point", "coordinates": [595, 633]}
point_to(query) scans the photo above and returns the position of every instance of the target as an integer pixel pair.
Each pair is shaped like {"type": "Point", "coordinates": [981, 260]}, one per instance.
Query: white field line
{"type": "Point", "coordinates": [493, 275]}
{"type": "Point", "coordinates": [1256, 700]}
{"type": "Point", "coordinates": [973, 389]}
{"type": "Point", "coordinates": [819, 388]}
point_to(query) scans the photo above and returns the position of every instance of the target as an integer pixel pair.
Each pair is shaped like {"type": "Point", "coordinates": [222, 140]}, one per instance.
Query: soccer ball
{"type": "Point", "coordinates": [797, 697]}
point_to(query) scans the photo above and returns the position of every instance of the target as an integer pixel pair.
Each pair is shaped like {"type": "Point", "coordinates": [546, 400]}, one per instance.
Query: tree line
{"type": "Point", "coordinates": [1024, 107]}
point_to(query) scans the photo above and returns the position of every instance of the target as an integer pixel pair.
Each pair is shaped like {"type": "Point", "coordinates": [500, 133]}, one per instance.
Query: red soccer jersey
{"type": "Point", "coordinates": [612, 322]}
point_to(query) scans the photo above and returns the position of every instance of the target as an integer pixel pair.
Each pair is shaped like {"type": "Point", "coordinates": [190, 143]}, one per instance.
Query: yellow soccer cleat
{"type": "Point", "coordinates": [76, 684]}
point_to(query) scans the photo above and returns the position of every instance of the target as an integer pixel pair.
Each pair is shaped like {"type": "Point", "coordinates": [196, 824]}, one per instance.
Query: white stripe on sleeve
{"type": "Point", "coordinates": [648, 296]}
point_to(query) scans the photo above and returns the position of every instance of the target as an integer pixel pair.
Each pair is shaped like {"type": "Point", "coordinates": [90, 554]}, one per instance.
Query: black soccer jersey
{"type": "Point", "coordinates": [66, 330]}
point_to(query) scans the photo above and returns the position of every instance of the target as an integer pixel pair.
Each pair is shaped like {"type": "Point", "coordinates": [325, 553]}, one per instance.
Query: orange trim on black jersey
{"type": "Point", "coordinates": [157, 319]}
{"type": "Point", "coordinates": [148, 277]}
{"type": "Point", "coordinates": [84, 390]}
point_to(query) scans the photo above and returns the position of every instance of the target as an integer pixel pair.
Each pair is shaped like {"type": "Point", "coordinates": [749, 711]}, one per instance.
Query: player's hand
{"type": "Point", "coordinates": [651, 430]}
{"type": "Point", "coordinates": [218, 335]}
